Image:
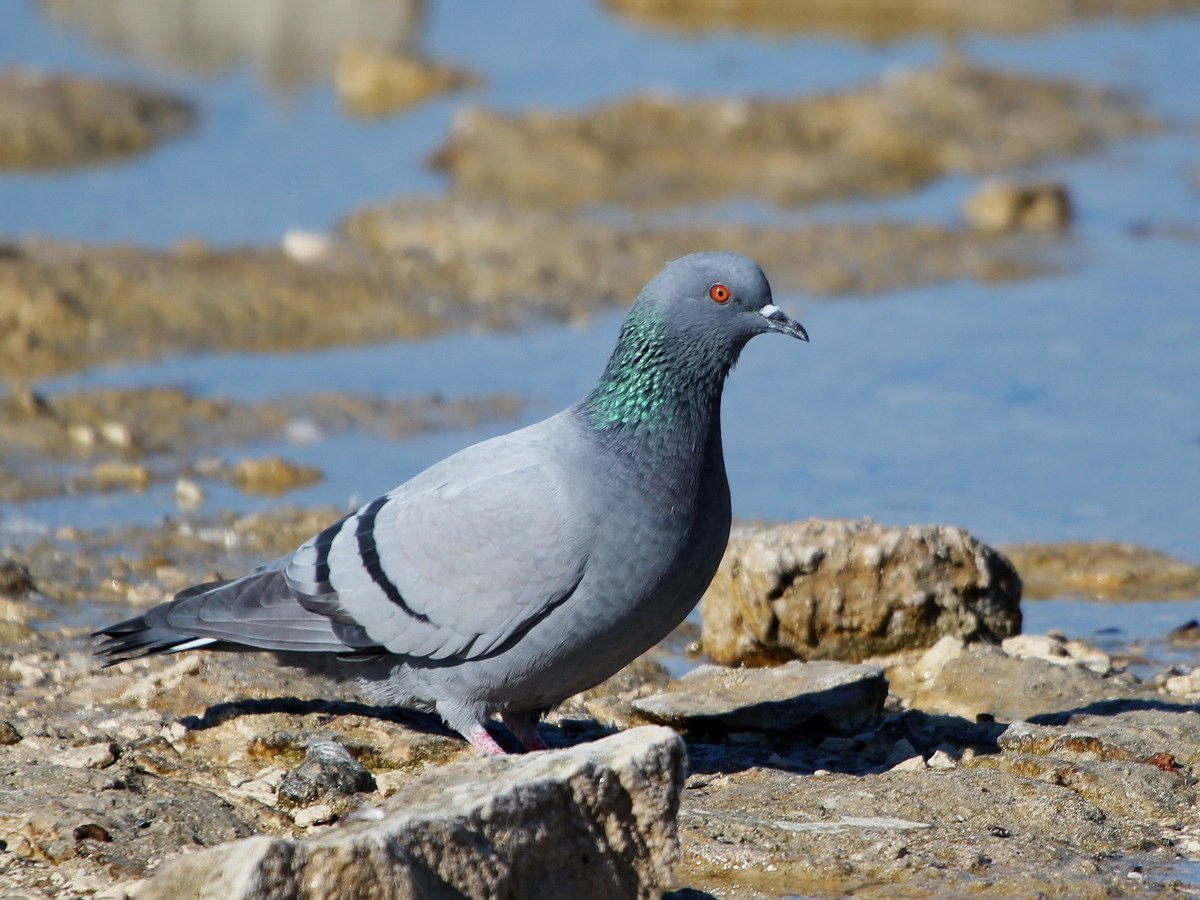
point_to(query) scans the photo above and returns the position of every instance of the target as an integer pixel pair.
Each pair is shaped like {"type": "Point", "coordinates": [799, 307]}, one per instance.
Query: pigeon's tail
{"type": "Point", "coordinates": [257, 612]}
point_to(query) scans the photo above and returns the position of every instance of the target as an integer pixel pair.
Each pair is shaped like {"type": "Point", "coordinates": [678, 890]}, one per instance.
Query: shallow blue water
{"type": "Point", "coordinates": [1065, 407]}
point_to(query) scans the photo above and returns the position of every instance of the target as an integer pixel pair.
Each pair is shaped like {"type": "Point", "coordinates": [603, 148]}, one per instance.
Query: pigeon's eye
{"type": "Point", "coordinates": [719, 293]}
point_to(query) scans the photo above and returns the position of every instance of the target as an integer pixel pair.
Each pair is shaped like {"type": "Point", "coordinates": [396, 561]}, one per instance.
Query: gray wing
{"type": "Point", "coordinates": [456, 563]}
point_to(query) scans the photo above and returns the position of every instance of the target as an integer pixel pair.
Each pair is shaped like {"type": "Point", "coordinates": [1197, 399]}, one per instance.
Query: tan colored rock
{"type": "Point", "coordinates": [1102, 570]}
{"type": "Point", "coordinates": [372, 83]}
{"type": "Point", "coordinates": [878, 20]}
{"type": "Point", "coordinates": [998, 206]}
{"type": "Point", "coordinates": [89, 756]}
{"type": "Point", "coordinates": [882, 138]}
{"type": "Point", "coordinates": [595, 820]}
{"type": "Point", "coordinates": [987, 681]}
{"type": "Point", "coordinates": [110, 475]}
{"type": "Point", "coordinates": [1057, 650]}
{"type": "Point", "coordinates": [54, 120]}
{"type": "Point", "coordinates": [833, 589]}
{"type": "Point", "coordinates": [1187, 685]}
{"type": "Point", "coordinates": [272, 475]}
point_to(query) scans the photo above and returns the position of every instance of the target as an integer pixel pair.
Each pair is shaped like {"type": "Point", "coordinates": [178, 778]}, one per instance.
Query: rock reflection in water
{"type": "Point", "coordinates": [289, 43]}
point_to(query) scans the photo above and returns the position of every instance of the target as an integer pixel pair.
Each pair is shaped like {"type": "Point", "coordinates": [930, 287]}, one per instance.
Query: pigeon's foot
{"type": "Point", "coordinates": [524, 726]}
{"type": "Point", "coordinates": [481, 740]}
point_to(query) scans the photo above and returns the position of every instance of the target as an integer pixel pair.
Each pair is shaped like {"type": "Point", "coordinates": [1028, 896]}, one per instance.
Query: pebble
{"type": "Point", "coordinates": [1000, 207]}
{"type": "Point", "coordinates": [942, 760]}
{"type": "Point", "coordinates": [912, 764]}
{"type": "Point", "coordinates": [188, 494]}
{"type": "Point", "coordinates": [321, 814]}
{"type": "Point", "coordinates": [117, 434]}
{"type": "Point", "coordinates": [89, 756]}
{"type": "Point", "coordinates": [83, 435]}
{"type": "Point", "coordinates": [305, 246]}
{"type": "Point", "coordinates": [29, 675]}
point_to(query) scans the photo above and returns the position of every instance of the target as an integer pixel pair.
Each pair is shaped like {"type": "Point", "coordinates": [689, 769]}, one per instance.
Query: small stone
{"type": "Point", "coordinates": [272, 475]}
{"type": "Point", "coordinates": [912, 764]}
{"type": "Point", "coordinates": [370, 83]}
{"type": "Point", "coordinates": [82, 435]}
{"type": "Point", "coordinates": [1008, 207]}
{"type": "Point", "coordinates": [29, 675]}
{"type": "Point", "coordinates": [188, 494]}
{"type": "Point", "coordinates": [8, 734]}
{"type": "Point", "coordinates": [321, 814]}
{"type": "Point", "coordinates": [117, 434]}
{"type": "Point", "coordinates": [1057, 650]}
{"type": "Point", "coordinates": [942, 760]}
{"type": "Point", "coordinates": [305, 246]}
{"type": "Point", "coordinates": [931, 662]}
{"type": "Point", "coordinates": [111, 475]}
{"type": "Point", "coordinates": [328, 768]}
{"type": "Point", "coordinates": [89, 756]}
{"type": "Point", "coordinates": [1184, 685]}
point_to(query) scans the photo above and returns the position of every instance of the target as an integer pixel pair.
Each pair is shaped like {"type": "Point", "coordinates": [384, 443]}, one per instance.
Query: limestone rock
{"type": "Point", "coordinates": [987, 681]}
{"type": "Point", "coordinates": [792, 697]}
{"type": "Point", "coordinates": [998, 206]}
{"type": "Point", "coordinates": [272, 475]}
{"type": "Point", "coordinates": [53, 120]}
{"type": "Point", "coordinates": [370, 83]}
{"type": "Point", "coordinates": [1102, 570]}
{"type": "Point", "coordinates": [1058, 650]}
{"type": "Point", "coordinates": [894, 134]}
{"type": "Point", "coordinates": [821, 589]}
{"type": "Point", "coordinates": [595, 820]}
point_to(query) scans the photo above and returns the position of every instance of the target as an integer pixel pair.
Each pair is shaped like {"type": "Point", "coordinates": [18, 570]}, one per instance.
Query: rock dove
{"type": "Point", "coordinates": [529, 567]}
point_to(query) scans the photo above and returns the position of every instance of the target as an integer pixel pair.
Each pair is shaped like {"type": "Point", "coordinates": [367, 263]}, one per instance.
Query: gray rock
{"type": "Point", "coordinates": [595, 820]}
{"type": "Point", "coordinates": [987, 681]}
{"type": "Point", "coordinates": [792, 697]}
{"type": "Point", "coordinates": [850, 590]}
{"type": "Point", "coordinates": [328, 768]}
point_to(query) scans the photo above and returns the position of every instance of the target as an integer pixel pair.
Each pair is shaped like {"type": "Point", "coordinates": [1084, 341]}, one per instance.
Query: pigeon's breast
{"type": "Point", "coordinates": [651, 559]}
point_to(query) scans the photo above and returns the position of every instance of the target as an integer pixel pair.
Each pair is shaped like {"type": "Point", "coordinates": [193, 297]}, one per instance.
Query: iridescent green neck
{"type": "Point", "coordinates": [653, 380]}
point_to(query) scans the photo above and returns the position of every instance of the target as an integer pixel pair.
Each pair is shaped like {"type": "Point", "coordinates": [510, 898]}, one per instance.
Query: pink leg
{"type": "Point", "coordinates": [524, 726]}
{"type": "Point", "coordinates": [484, 742]}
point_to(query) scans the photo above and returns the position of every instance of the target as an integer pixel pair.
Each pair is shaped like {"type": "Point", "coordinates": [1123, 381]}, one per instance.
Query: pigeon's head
{"type": "Point", "coordinates": [722, 295]}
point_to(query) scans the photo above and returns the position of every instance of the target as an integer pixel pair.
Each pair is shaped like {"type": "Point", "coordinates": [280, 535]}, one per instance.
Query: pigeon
{"type": "Point", "coordinates": [529, 567]}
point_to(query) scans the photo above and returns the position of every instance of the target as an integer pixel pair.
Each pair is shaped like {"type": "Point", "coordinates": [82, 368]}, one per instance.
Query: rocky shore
{"type": "Point", "coordinates": [966, 757]}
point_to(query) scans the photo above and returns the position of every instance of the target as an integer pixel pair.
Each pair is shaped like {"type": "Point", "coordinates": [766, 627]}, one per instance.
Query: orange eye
{"type": "Point", "coordinates": [719, 293]}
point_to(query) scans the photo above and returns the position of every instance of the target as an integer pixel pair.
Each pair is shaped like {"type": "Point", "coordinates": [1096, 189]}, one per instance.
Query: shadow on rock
{"type": "Point", "coordinates": [1113, 708]}
{"type": "Point", "coordinates": [220, 713]}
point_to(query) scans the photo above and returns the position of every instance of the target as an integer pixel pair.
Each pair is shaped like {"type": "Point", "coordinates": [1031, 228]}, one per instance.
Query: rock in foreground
{"type": "Point", "coordinates": [850, 590]}
{"type": "Point", "coordinates": [597, 820]}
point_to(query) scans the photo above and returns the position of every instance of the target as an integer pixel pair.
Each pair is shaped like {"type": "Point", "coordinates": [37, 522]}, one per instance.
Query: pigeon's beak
{"type": "Point", "coordinates": [777, 320]}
